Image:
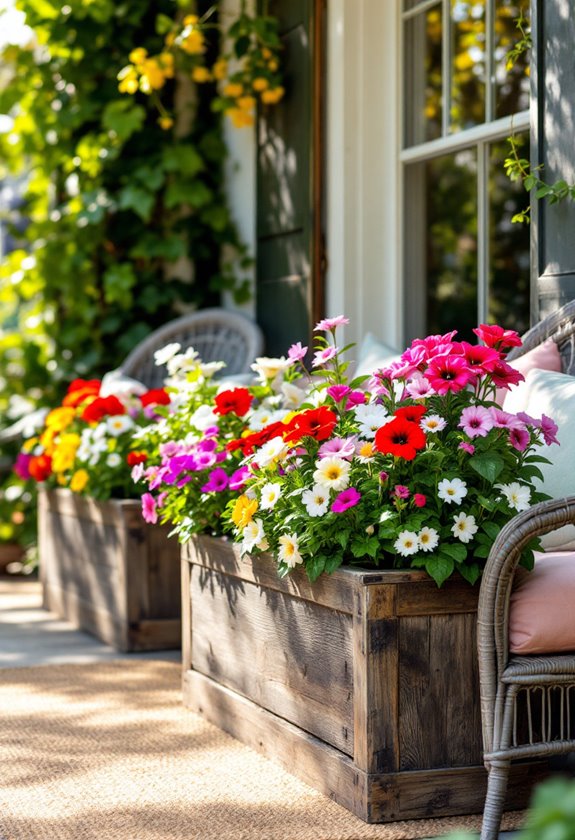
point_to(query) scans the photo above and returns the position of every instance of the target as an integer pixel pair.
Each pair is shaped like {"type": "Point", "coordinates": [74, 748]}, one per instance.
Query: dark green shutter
{"type": "Point", "coordinates": [289, 260]}
{"type": "Point", "coordinates": [553, 147]}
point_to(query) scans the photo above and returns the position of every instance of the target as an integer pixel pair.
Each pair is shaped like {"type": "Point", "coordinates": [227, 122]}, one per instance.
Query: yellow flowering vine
{"type": "Point", "coordinates": [246, 71]}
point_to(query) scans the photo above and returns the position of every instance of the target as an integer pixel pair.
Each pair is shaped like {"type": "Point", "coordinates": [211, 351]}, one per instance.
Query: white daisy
{"type": "Point", "coordinates": [332, 473]}
{"type": "Point", "coordinates": [289, 550]}
{"type": "Point", "coordinates": [365, 451]}
{"type": "Point", "coordinates": [162, 356]}
{"type": "Point", "coordinates": [209, 368]}
{"type": "Point", "coordinates": [271, 451]}
{"type": "Point", "coordinates": [183, 362]}
{"type": "Point", "coordinates": [268, 369]}
{"type": "Point", "coordinates": [316, 500]}
{"type": "Point", "coordinates": [113, 460]}
{"type": "Point", "coordinates": [433, 423]}
{"type": "Point", "coordinates": [370, 418]}
{"type": "Point", "coordinates": [118, 424]}
{"type": "Point", "coordinates": [464, 527]}
{"type": "Point", "coordinates": [254, 537]}
{"type": "Point", "coordinates": [203, 417]}
{"type": "Point", "coordinates": [269, 495]}
{"type": "Point", "coordinates": [452, 490]}
{"type": "Point", "coordinates": [407, 543]}
{"type": "Point", "coordinates": [428, 539]}
{"type": "Point", "coordinates": [518, 495]}
{"type": "Point", "coordinates": [293, 396]}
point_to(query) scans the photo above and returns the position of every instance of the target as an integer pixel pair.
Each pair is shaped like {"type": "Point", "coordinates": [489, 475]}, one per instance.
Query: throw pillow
{"type": "Point", "coordinates": [373, 355]}
{"type": "Point", "coordinates": [541, 616]}
{"type": "Point", "coordinates": [545, 356]}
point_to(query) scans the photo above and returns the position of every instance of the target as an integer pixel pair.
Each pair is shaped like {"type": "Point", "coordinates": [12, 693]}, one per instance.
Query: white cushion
{"type": "Point", "coordinates": [553, 394]}
{"type": "Point", "coordinates": [373, 355]}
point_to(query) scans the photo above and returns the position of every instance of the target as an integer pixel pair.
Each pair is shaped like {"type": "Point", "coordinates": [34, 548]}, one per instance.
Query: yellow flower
{"type": "Point", "coordinates": [201, 74]}
{"type": "Point", "coordinates": [65, 452]}
{"type": "Point", "coordinates": [239, 118]}
{"type": "Point", "coordinates": [233, 89]}
{"type": "Point", "coordinates": [260, 83]}
{"type": "Point", "coordinates": [79, 481]}
{"type": "Point", "coordinates": [272, 97]}
{"type": "Point", "coordinates": [129, 85]}
{"type": "Point", "coordinates": [243, 511]}
{"type": "Point", "coordinates": [154, 74]}
{"type": "Point", "coordinates": [167, 64]}
{"type": "Point", "coordinates": [220, 69]}
{"type": "Point", "coordinates": [273, 65]}
{"type": "Point", "coordinates": [190, 20]}
{"type": "Point", "coordinates": [29, 444]}
{"type": "Point", "coordinates": [47, 440]}
{"type": "Point", "coordinates": [267, 53]}
{"type": "Point", "coordinates": [169, 39]}
{"type": "Point", "coordinates": [60, 418]}
{"type": "Point", "coordinates": [166, 123]}
{"type": "Point", "coordinates": [246, 103]}
{"type": "Point", "coordinates": [138, 56]}
{"type": "Point", "coordinates": [193, 42]}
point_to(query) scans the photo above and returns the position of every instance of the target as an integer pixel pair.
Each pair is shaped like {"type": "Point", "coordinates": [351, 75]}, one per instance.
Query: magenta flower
{"type": "Point", "coordinates": [217, 481]}
{"type": "Point", "coordinates": [342, 447]}
{"type": "Point", "coordinates": [355, 398]}
{"type": "Point", "coordinates": [448, 373]}
{"type": "Point", "coordinates": [205, 460]}
{"type": "Point", "coordinates": [21, 466]}
{"type": "Point", "coordinates": [149, 511]}
{"type": "Point", "coordinates": [504, 376]}
{"type": "Point", "coordinates": [467, 447]}
{"type": "Point", "coordinates": [383, 476]}
{"type": "Point", "coordinates": [161, 499]}
{"type": "Point", "coordinates": [171, 448]}
{"type": "Point", "coordinates": [296, 352]}
{"type": "Point", "coordinates": [331, 323]}
{"type": "Point", "coordinates": [497, 337]}
{"type": "Point", "coordinates": [419, 500]}
{"type": "Point", "coordinates": [401, 491]}
{"type": "Point", "coordinates": [345, 500]}
{"type": "Point", "coordinates": [481, 359]}
{"type": "Point", "coordinates": [207, 445]}
{"type": "Point", "coordinates": [239, 478]}
{"type": "Point", "coordinates": [323, 356]}
{"type": "Point", "coordinates": [549, 429]}
{"type": "Point", "coordinates": [476, 421]}
{"type": "Point", "coordinates": [211, 431]}
{"type": "Point", "coordinates": [338, 392]}
{"type": "Point", "coordinates": [519, 439]}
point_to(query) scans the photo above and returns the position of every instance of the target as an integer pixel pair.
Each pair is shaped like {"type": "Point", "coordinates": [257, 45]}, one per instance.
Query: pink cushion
{"type": "Point", "coordinates": [544, 357]}
{"type": "Point", "coordinates": [542, 608]}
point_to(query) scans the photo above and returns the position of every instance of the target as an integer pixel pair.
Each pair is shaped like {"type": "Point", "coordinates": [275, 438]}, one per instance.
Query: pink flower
{"type": "Point", "coordinates": [418, 388]}
{"type": "Point", "coordinates": [149, 511]}
{"type": "Point", "coordinates": [482, 359]}
{"type": "Point", "coordinates": [323, 356]}
{"type": "Point", "coordinates": [494, 336]}
{"type": "Point", "coordinates": [331, 323]}
{"type": "Point", "coordinates": [419, 500]}
{"type": "Point", "coordinates": [338, 392]}
{"type": "Point", "coordinates": [239, 478]}
{"type": "Point", "coordinates": [401, 491]}
{"type": "Point", "coordinates": [434, 344]}
{"type": "Point", "coordinates": [467, 447]}
{"type": "Point", "coordinates": [549, 429]}
{"type": "Point", "coordinates": [504, 376]}
{"type": "Point", "coordinates": [355, 398]}
{"type": "Point", "coordinates": [476, 421]}
{"type": "Point", "coordinates": [342, 447]}
{"type": "Point", "coordinates": [296, 352]}
{"type": "Point", "coordinates": [504, 420]}
{"type": "Point", "coordinates": [21, 466]}
{"type": "Point", "coordinates": [383, 476]}
{"type": "Point", "coordinates": [346, 499]}
{"type": "Point", "coordinates": [217, 481]}
{"type": "Point", "coordinates": [137, 472]}
{"type": "Point", "coordinates": [519, 439]}
{"type": "Point", "coordinates": [448, 373]}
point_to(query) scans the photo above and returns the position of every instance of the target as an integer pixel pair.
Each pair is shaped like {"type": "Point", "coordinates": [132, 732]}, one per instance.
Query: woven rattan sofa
{"type": "Point", "coordinates": [527, 702]}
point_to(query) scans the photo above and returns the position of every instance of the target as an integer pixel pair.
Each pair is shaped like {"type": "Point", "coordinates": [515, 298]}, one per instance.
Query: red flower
{"type": "Point", "coordinates": [103, 407]}
{"type": "Point", "coordinates": [400, 438]}
{"type": "Point", "coordinates": [480, 358]}
{"type": "Point", "coordinates": [236, 401]}
{"type": "Point", "coordinates": [133, 458]}
{"type": "Point", "coordinates": [494, 336]}
{"type": "Point", "coordinates": [156, 396]}
{"type": "Point", "coordinates": [317, 423]}
{"type": "Point", "coordinates": [250, 442]}
{"type": "Point", "coordinates": [40, 467]}
{"type": "Point", "coordinates": [80, 390]}
{"type": "Point", "coordinates": [413, 413]}
{"type": "Point", "coordinates": [504, 376]}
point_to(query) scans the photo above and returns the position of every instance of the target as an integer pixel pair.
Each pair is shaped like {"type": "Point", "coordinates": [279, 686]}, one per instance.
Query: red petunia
{"type": "Point", "coordinates": [155, 396]}
{"type": "Point", "coordinates": [80, 390]}
{"type": "Point", "coordinates": [40, 467]}
{"type": "Point", "coordinates": [317, 423]}
{"type": "Point", "coordinates": [103, 407]}
{"type": "Point", "coordinates": [133, 458]}
{"type": "Point", "coordinates": [400, 438]}
{"type": "Point", "coordinates": [236, 401]}
{"type": "Point", "coordinates": [248, 443]}
{"type": "Point", "coordinates": [413, 413]}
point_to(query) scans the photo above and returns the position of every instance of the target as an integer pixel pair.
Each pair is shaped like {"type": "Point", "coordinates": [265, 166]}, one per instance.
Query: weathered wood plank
{"type": "Point", "coordinates": [302, 671]}
{"type": "Point", "coordinates": [424, 597]}
{"type": "Point", "coordinates": [186, 580]}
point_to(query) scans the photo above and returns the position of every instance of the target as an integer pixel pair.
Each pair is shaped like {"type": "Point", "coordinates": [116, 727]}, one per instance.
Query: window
{"type": "Point", "coordinates": [465, 261]}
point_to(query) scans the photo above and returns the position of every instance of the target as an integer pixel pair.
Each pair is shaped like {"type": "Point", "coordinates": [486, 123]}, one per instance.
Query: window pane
{"type": "Point", "coordinates": [423, 106]}
{"type": "Point", "coordinates": [509, 246]}
{"type": "Point", "coordinates": [511, 85]}
{"type": "Point", "coordinates": [452, 243]}
{"type": "Point", "coordinates": [467, 64]}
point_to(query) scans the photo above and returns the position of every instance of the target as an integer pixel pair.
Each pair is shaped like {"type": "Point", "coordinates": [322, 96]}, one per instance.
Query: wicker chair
{"type": "Point", "coordinates": [217, 335]}
{"type": "Point", "coordinates": [538, 691]}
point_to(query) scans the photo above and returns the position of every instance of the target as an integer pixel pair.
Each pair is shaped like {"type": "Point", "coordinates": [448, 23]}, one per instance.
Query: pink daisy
{"type": "Point", "coordinates": [331, 323]}
{"type": "Point", "coordinates": [323, 356]}
{"type": "Point", "coordinates": [296, 352]}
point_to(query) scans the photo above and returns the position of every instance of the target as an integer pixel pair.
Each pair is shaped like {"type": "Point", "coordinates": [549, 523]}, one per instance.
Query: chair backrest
{"type": "Point", "coordinates": [560, 326]}
{"type": "Point", "coordinates": [216, 334]}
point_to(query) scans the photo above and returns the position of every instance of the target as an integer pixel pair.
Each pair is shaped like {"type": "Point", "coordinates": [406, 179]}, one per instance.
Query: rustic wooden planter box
{"type": "Point", "coordinates": [108, 572]}
{"type": "Point", "coordinates": [363, 684]}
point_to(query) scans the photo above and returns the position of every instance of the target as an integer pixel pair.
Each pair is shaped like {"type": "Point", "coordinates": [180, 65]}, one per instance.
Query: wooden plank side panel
{"type": "Point", "coordinates": [288, 655]}
{"type": "Point", "coordinates": [424, 597]}
{"type": "Point", "coordinates": [439, 721]}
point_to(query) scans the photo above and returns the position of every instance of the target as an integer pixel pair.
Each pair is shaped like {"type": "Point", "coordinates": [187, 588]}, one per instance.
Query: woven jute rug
{"type": "Point", "coordinates": [108, 752]}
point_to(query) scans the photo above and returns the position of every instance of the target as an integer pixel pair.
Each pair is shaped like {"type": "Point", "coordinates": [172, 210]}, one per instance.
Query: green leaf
{"type": "Point", "coordinates": [315, 566]}
{"type": "Point", "coordinates": [241, 46]}
{"type": "Point", "coordinates": [119, 280]}
{"type": "Point", "coordinates": [488, 465]}
{"type": "Point", "coordinates": [333, 562]}
{"type": "Point", "coordinates": [439, 567]}
{"type": "Point", "coordinates": [456, 551]}
{"type": "Point", "coordinates": [123, 117]}
{"type": "Point", "coordinates": [471, 573]}
{"type": "Point", "coordinates": [163, 24]}
{"type": "Point", "coordinates": [365, 546]}
{"type": "Point", "coordinates": [183, 160]}
{"type": "Point", "coordinates": [137, 199]}
{"type": "Point", "coordinates": [491, 529]}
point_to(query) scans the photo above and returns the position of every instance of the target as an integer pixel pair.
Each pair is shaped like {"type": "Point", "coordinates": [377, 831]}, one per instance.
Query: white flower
{"type": "Point", "coordinates": [289, 550]}
{"type": "Point", "coordinates": [332, 473]}
{"type": "Point", "coordinates": [407, 543]}
{"type": "Point", "coordinates": [370, 418]}
{"type": "Point", "coordinates": [263, 415]}
{"type": "Point", "coordinates": [118, 424]}
{"type": "Point", "coordinates": [316, 500]}
{"type": "Point", "coordinates": [166, 353]}
{"type": "Point", "coordinates": [269, 495]}
{"type": "Point", "coordinates": [428, 539]}
{"type": "Point", "coordinates": [271, 451]}
{"type": "Point", "coordinates": [83, 453]}
{"type": "Point", "coordinates": [518, 495]}
{"type": "Point", "coordinates": [464, 527]}
{"type": "Point", "coordinates": [254, 537]}
{"type": "Point", "coordinates": [452, 490]}
{"type": "Point", "coordinates": [433, 423]}
{"type": "Point", "coordinates": [183, 362]}
{"type": "Point", "coordinates": [203, 417]}
{"type": "Point", "coordinates": [365, 451]}
{"type": "Point", "coordinates": [268, 369]}
{"type": "Point", "coordinates": [113, 460]}
{"type": "Point", "coordinates": [293, 396]}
